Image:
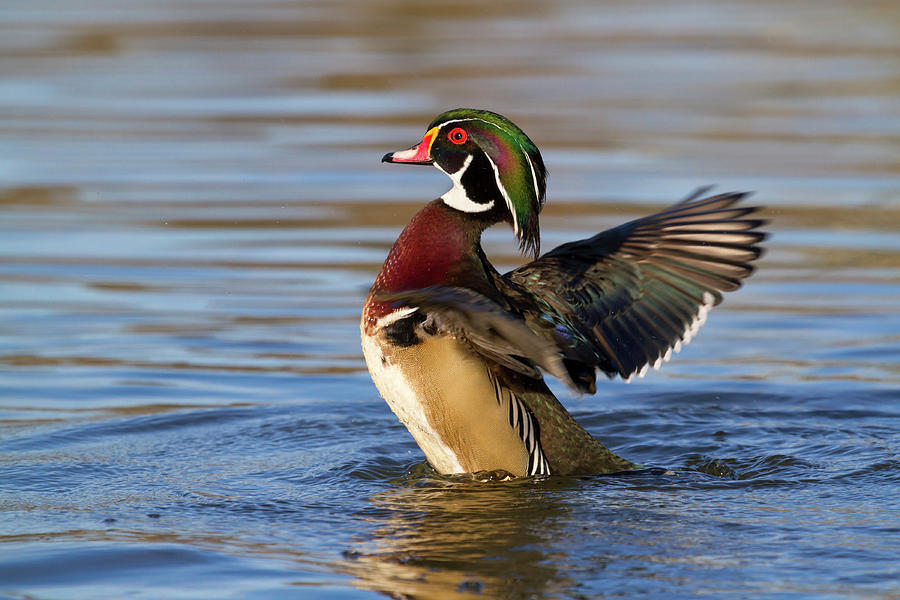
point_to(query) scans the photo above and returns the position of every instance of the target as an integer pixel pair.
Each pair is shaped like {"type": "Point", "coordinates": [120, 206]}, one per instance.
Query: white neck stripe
{"type": "Point", "coordinates": [457, 197]}
{"type": "Point", "coordinates": [503, 192]}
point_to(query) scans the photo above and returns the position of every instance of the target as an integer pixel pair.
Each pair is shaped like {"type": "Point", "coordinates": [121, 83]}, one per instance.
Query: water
{"type": "Point", "coordinates": [192, 209]}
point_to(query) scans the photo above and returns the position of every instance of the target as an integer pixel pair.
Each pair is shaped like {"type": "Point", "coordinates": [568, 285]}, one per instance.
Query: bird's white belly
{"type": "Point", "coordinates": [400, 393]}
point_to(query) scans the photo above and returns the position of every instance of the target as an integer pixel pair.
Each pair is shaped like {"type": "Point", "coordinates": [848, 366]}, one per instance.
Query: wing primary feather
{"type": "Point", "coordinates": [635, 294]}
{"type": "Point", "coordinates": [699, 192]}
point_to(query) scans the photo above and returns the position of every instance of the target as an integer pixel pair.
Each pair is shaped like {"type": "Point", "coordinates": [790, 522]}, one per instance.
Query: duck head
{"type": "Point", "coordinates": [495, 169]}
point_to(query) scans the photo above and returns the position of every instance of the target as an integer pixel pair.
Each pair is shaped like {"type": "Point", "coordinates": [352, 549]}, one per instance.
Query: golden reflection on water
{"type": "Point", "coordinates": [426, 542]}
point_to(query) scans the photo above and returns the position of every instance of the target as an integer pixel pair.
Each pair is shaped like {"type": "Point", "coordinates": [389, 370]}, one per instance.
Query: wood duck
{"type": "Point", "coordinates": [457, 349]}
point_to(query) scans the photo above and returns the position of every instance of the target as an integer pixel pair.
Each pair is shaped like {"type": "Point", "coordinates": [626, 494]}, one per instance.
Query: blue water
{"type": "Point", "coordinates": [192, 209]}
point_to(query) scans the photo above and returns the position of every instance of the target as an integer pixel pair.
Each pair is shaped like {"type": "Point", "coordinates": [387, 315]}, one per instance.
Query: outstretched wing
{"type": "Point", "coordinates": [630, 296]}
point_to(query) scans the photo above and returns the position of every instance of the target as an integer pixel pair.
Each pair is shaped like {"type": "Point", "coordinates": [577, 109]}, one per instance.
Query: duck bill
{"type": "Point", "coordinates": [420, 154]}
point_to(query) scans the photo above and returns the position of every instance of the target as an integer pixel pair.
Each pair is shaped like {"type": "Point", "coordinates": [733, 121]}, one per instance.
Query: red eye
{"type": "Point", "coordinates": [458, 136]}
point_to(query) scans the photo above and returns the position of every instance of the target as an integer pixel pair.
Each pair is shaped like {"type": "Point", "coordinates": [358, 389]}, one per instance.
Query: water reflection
{"type": "Point", "coordinates": [434, 538]}
{"type": "Point", "coordinates": [562, 537]}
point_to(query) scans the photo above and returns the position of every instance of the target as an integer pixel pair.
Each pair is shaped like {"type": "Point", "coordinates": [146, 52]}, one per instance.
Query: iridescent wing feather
{"type": "Point", "coordinates": [629, 297]}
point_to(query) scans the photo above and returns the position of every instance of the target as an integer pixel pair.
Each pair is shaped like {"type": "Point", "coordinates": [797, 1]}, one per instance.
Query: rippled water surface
{"type": "Point", "coordinates": [192, 208]}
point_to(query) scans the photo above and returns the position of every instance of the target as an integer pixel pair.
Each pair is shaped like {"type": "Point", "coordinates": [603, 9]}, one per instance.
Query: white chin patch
{"type": "Point", "coordinates": [457, 197]}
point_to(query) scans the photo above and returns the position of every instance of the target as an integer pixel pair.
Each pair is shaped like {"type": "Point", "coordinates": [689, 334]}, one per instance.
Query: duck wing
{"type": "Point", "coordinates": [628, 297]}
{"type": "Point", "coordinates": [499, 336]}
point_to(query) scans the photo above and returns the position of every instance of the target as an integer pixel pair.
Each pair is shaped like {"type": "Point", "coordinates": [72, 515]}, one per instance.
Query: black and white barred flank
{"type": "Point", "coordinates": [526, 426]}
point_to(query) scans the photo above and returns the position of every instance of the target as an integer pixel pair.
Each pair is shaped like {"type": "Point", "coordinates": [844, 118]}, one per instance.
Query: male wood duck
{"type": "Point", "coordinates": [457, 349]}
